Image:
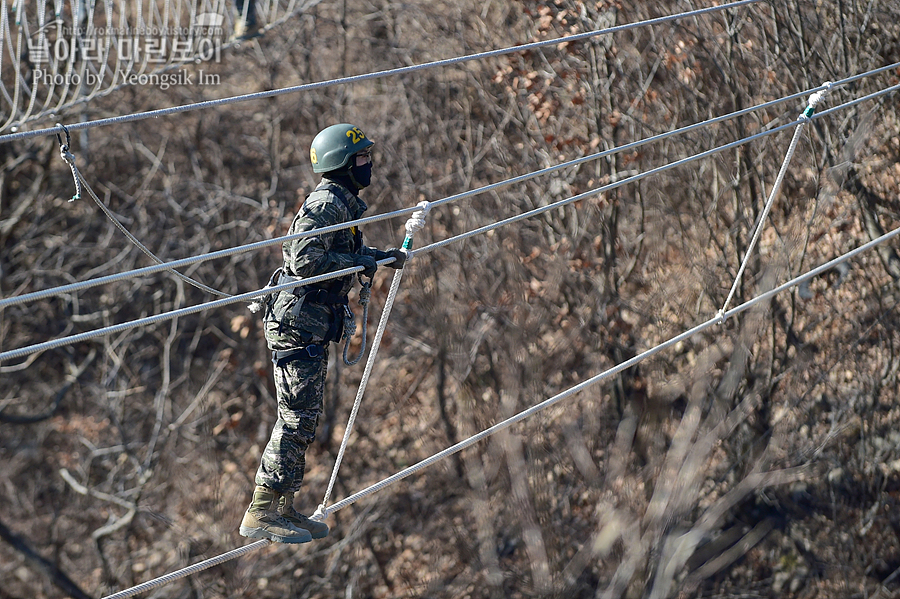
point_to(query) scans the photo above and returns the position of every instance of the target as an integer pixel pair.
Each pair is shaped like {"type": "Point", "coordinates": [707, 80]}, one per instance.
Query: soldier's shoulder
{"type": "Point", "coordinates": [323, 206]}
{"type": "Point", "coordinates": [324, 200]}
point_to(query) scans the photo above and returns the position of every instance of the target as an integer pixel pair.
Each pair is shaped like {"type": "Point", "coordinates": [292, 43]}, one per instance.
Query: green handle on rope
{"type": "Point", "coordinates": [407, 242]}
{"type": "Point", "coordinates": [810, 110]}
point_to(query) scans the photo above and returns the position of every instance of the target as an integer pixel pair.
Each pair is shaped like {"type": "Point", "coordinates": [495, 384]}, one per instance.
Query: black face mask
{"type": "Point", "coordinates": [361, 175]}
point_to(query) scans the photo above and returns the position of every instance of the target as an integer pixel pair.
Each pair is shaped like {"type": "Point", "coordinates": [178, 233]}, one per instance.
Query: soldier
{"type": "Point", "coordinates": [300, 324]}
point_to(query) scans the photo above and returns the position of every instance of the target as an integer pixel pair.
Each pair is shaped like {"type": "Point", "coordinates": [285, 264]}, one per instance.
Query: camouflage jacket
{"type": "Point", "coordinates": [287, 325]}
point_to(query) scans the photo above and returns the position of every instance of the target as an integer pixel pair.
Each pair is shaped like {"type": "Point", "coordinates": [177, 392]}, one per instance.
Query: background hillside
{"type": "Point", "coordinates": [758, 459]}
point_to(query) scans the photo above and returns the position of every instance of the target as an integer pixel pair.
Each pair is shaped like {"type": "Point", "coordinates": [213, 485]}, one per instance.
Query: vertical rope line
{"type": "Point", "coordinates": [415, 223]}
{"type": "Point", "coordinates": [376, 343]}
{"type": "Point", "coordinates": [802, 120]}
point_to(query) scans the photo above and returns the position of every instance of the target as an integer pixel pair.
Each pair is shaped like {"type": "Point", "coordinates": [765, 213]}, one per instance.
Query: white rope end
{"type": "Point", "coordinates": [417, 221]}
{"type": "Point", "coordinates": [817, 97]}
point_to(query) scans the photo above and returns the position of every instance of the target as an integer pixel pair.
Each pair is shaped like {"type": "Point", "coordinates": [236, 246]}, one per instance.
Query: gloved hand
{"type": "Point", "coordinates": [368, 263]}
{"type": "Point", "coordinates": [399, 257]}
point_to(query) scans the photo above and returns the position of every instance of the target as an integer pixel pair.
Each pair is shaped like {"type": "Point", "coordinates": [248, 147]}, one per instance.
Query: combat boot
{"type": "Point", "coordinates": [262, 520]}
{"type": "Point", "coordinates": [318, 530]}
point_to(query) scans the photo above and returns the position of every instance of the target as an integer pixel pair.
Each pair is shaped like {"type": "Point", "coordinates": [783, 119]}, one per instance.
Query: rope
{"type": "Point", "coordinates": [638, 177]}
{"type": "Point", "coordinates": [384, 483]}
{"type": "Point", "coordinates": [79, 180]}
{"type": "Point", "coordinates": [365, 293]}
{"type": "Point", "coordinates": [608, 373]}
{"type": "Point", "coordinates": [253, 294]}
{"type": "Point", "coordinates": [379, 74]}
{"type": "Point", "coordinates": [803, 119]}
{"type": "Point", "coordinates": [414, 224]}
{"type": "Point", "coordinates": [173, 576]}
{"type": "Point", "coordinates": [125, 326]}
{"type": "Point", "coordinates": [74, 287]}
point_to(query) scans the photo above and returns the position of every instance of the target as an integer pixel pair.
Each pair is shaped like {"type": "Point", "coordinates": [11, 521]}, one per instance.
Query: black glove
{"type": "Point", "coordinates": [399, 257]}
{"type": "Point", "coordinates": [368, 263]}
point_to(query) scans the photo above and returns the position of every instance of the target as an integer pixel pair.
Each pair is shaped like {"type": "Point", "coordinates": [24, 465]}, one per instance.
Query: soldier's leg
{"type": "Point", "coordinates": [300, 388]}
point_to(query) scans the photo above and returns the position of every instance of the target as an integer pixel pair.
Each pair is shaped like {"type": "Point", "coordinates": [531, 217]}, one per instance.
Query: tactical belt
{"type": "Point", "coordinates": [320, 296]}
{"type": "Point", "coordinates": [307, 352]}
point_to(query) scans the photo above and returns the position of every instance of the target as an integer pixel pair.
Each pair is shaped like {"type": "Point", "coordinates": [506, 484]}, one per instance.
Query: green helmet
{"type": "Point", "coordinates": [333, 146]}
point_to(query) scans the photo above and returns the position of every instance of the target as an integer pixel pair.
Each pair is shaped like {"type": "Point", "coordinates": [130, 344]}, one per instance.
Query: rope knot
{"type": "Point", "coordinates": [320, 514]}
{"type": "Point", "coordinates": [817, 97]}
{"type": "Point", "coordinates": [69, 159]}
{"type": "Point", "coordinates": [365, 292]}
{"type": "Point", "coordinates": [417, 221]}
{"type": "Point", "coordinates": [814, 100]}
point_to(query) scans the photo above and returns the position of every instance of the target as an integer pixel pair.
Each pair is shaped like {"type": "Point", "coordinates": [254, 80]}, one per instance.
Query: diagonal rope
{"type": "Point", "coordinates": [254, 294]}
{"type": "Point", "coordinates": [198, 567]}
{"type": "Point", "coordinates": [379, 74]}
{"type": "Point", "coordinates": [73, 287]}
{"type": "Point", "coordinates": [802, 120]}
{"type": "Point", "coordinates": [384, 483]}
{"type": "Point", "coordinates": [80, 183]}
{"type": "Point", "coordinates": [415, 223]}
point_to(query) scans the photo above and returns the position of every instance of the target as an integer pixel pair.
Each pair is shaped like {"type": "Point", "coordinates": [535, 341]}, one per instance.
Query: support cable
{"type": "Point", "coordinates": [802, 120]}
{"type": "Point", "coordinates": [125, 326]}
{"type": "Point", "coordinates": [198, 567]}
{"type": "Point", "coordinates": [414, 224]}
{"type": "Point", "coordinates": [73, 287]}
{"type": "Point", "coordinates": [254, 294]}
{"type": "Point", "coordinates": [638, 177]}
{"type": "Point", "coordinates": [384, 483]}
{"type": "Point", "coordinates": [367, 76]}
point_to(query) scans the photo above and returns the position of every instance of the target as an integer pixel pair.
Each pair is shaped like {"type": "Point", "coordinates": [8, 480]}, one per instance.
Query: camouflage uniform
{"type": "Point", "coordinates": [313, 324]}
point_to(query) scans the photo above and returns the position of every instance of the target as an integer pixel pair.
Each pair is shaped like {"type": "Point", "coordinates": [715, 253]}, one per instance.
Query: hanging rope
{"type": "Point", "coordinates": [69, 159]}
{"type": "Point", "coordinates": [803, 119]}
{"type": "Point", "coordinates": [413, 225]}
{"type": "Point", "coordinates": [365, 293]}
{"type": "Point", "coordinates": [79, 181]}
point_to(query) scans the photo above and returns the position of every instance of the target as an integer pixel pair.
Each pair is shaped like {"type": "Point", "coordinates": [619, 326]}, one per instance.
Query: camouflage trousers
{"type": "Point", "coordinates": [300, 387]}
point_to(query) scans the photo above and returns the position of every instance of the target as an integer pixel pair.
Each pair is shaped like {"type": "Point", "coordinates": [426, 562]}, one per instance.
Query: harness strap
{"type": "Point", "coordinates": [321, 296]}
{"type": "Point", "coordinates": [285, 356]}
